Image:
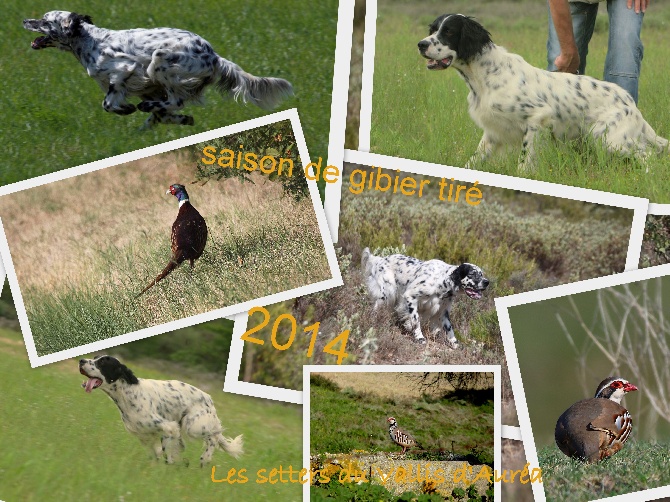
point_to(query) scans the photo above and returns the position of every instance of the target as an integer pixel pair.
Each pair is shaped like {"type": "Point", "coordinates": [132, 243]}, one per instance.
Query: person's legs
{"type": "Point", "coordinates": [624, 49]}
{"type": "Point", "coordinates": [583, 22]}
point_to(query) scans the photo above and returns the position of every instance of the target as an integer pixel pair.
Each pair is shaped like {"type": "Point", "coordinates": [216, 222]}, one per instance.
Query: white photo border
{"type": "Point", "coordinates": [335, 280]}
{"type": "Point", "coordinates": [367, 78]}
{"type": "Point", "coordinates": [338, 113]}
{"type": "Point", "coordinates": [659, 209]}
{"type": "Point", "coordinates": [496, 369]}
{"type": "Point", "coordinates": [502, 307]}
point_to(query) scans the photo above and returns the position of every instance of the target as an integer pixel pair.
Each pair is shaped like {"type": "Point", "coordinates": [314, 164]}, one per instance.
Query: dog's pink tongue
{"type": "Point", "coordinates": [91, 384]}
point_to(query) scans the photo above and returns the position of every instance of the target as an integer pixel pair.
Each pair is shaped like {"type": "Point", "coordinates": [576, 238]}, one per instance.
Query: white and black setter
{"type": "Point", "coordinates": [160, 412]}
{"type": "Point", "coordinates": [512, 100]}
{"type": "Point", "coordinates": [165, 67]}
{"type": "Point", "coordinates": [420, 290]}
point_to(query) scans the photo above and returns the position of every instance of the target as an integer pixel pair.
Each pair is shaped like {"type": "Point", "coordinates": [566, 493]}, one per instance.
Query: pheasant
{"type": "Point", "coordinates": [400, 437]}
{"type": "Point", "coordinates": [189, 234]}
{"type": "Point", "coordinates": [594, 429]}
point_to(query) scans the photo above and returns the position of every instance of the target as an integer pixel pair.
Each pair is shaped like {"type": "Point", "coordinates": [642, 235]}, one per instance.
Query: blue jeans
{"type": "Point", "coordinates": [624, 49]}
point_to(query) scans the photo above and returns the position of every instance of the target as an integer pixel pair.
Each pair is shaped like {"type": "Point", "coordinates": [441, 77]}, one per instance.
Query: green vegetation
{"type": "Point", "coordinates": [55, 117]}
{"type": "Point", "coordinates": [368, 492]}
{"type": "Point", "coordinates": [656, 241]}
{"type": "Point", "coordinates": [639, 466]}
{"type": "Point", "coordinates": [427, 118]}
{"type": "Point", "coordinates": [456, 421]}
{"type": "Point", "coordinates": [59, 443]}
{"type": "Point", "coordinates": [274, 140]}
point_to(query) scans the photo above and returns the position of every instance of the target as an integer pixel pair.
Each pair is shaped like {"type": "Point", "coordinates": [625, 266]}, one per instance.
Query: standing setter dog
{"type": "Point", "coordinates": [158, 412]}
{"type": "Point", "coordinates": [166, 67]}
{"type": "Point", "coordinates": [512, 100]}
{"type": "Point", "coordinates": [416, 287]}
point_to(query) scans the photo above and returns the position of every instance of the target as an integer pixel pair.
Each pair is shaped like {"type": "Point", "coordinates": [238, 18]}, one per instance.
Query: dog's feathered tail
{"type": "Point", "coordinates": [232, 446]}
{"type": "Point", "coordinates": [265, 92]}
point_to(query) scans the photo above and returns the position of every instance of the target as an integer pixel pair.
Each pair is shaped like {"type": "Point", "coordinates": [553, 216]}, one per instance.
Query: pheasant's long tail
{"type": "Point", "coordinates": [172, 264]}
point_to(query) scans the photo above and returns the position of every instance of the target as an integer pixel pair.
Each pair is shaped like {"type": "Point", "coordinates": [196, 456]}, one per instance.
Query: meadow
{"type": "Point", "coordinates": [84, 247]}
{"type": "Point", "coordinates": [423, 115]}
{"type": "Point", "coordinates": [54, 118]}
{"type": "Point", "coordinates": [59, 443]}
{"type": "Point", "coordinates": [452, 424]}
{"type": "Point", "coordinates": [522, 241]}
{"type": "Point", "coordinates": [639, 466]}
{"type": "Point", "coordinates": [656, 241]}
{"type": "Point", "coordinates": [459, 421]}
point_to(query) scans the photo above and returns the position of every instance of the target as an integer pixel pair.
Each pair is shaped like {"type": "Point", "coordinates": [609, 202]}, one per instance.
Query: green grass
{"type": "Point", "coordinates": [54, 118]}
{"type": "Point", "coordinates": [423, 115]}
{"type": "Point", "coordinates": [59, 443]}
{"type": "Point", "coordinates": [639, 466]}
{"type": "Point", "coordinates": [70, 316]}
{"type": "Point", "coordinates": [343, 420]}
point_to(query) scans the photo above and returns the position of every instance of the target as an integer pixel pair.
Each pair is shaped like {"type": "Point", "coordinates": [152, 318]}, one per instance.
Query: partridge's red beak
{"type": "Point", "coordinates": [629, 387]}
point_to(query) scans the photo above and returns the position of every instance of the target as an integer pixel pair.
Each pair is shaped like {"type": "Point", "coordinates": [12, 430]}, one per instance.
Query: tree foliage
{"type": "Point", "coordinates": [274, 140]}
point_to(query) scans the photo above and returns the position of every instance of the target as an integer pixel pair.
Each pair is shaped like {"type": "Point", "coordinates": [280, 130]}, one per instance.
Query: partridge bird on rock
{"type": "Point", "coordinates": [400, 437]}
{"type": "Point", "coordinates": [594, 429]}
{"type": "Point", "coordinates": [189, 234]}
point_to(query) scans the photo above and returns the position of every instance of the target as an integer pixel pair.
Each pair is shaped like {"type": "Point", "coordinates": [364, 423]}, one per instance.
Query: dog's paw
{"type": "Point", "coordinates": [421, 341]}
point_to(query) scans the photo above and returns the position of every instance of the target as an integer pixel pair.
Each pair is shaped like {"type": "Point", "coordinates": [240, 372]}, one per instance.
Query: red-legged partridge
{"type": "Point", "coordinates": [596, 428]}
{"type": "Point", "coordinates": [400, 437]}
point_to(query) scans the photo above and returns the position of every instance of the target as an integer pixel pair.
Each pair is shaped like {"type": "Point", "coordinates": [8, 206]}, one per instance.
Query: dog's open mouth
{"type": "Point", "coordinates": [473, 293]}
{"type": "Point", "coordinates": [91, 383]}
{"type": "Point", "coordinates": [442, 64]}
{"type": "Point", "coordinates": [40, 42]}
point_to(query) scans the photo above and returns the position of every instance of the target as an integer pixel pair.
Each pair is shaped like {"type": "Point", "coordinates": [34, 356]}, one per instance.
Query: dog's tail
{"type": "Point", "coordinates": [662, 144]}
{"type": "Point", "coordinates": [232, 446]}
{"type": "Point", "coordinates": [265, 92]}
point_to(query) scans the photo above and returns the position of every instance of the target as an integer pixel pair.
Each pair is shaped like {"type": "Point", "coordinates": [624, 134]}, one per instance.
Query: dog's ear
{"type": "Point", "coordinates": [126, 374]}
{"type": "Point", "coordinates": [112, 369]}
{"type": "Point", "coordinates": [72, 24]}
{"type": "Point", "coordinates": [473, 40]}
{"type": "Point", "coordinates": [460, 273]}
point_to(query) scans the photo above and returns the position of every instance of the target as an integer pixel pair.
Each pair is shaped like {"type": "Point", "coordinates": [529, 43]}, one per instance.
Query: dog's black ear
{"type": "Point", "coordinates": [126, 374]}
{"type": "Point", "coordinates": [72, 26]}
{"type": "Point", "coordinates": [460, 273]}
{"type": "Point", "coordinates": [112, 369]}
{"type": "Point", "coordinates": [473, 40]}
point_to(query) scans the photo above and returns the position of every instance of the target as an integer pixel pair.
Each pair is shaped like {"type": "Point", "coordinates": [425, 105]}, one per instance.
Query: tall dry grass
{"type": "Point", "coordinates": [84, 247]}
